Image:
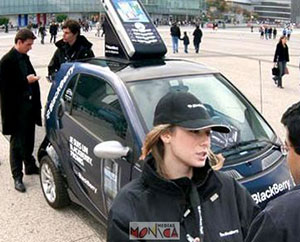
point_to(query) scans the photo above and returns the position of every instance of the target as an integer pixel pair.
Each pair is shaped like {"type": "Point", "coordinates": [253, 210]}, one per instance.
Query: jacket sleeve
{"type": "Point", "coordinates": [264, 229]}
{"type": "Point", "coordinates": [54, 64]}
{"type": "Point", "coordinates": [248, 209]}
{"type": "Point", "coordinates": [90, 53]}
{"type": "Point", "coordinates": [120, 215]}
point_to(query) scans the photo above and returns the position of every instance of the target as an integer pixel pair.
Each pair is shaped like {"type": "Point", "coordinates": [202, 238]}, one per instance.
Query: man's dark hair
{"type": "Point", "coordinates": [23, 35]}
{"type": "Point", "coordinates": [73, 26]}
{"type": "Point", "coordinates": [291, 120]}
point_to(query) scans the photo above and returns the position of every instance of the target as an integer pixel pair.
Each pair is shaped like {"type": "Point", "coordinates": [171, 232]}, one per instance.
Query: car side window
{"type": "Point", "coordinates": [68, 94]}
{"type": "Point", "coordinates": [96, 106]}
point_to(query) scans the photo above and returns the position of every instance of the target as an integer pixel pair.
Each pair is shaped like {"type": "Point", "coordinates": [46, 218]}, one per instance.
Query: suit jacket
{"type": "Point", "coordinates": [13, 85]}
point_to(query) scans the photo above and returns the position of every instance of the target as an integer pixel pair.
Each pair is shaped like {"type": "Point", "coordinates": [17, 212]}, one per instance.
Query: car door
{"type": "Point", "coordinates": [93, 115]}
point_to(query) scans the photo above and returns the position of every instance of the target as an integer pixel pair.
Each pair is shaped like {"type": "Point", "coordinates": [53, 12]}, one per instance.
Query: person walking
{"type": "Point", "coordinates": [42, 32]}
{"type": "Point", "coordinates": [281, 58]}
{"type": "Point", "coordinates": [175, 34]}
{"type": "Point", "coordinates": [53, 31]}
{"type": "Point", "coordinates": [266, 32]}
{"type": "Point", "coordinates": [186, 41]}
{"type": "Point", "coordinates": [104, 27]}
{"type": "Point", "coordinates": [274, 33]}
{"type": "Point", "coordinates": [20, 106]}
{"type": "Point", "coordinates": [98, 28]}
{"type": "Point", "coordinates": [178, 185]}
{"type": "Point", "coordinates": [288, 33]}
{"type": "Point", "coordinates": [279, 221]}
{"type": "Point", "coordinates": [197, 38]}
{"type": "Point", "coordinates": [270, 30]}
{"type": "Point", "coordinates": [71, 47]}
{"type": "Point", "coordinates": [262, 32]}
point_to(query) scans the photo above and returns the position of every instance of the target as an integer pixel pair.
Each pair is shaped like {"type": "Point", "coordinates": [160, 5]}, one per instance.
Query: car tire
{"type": "Point", "coordinates": [53, 185]}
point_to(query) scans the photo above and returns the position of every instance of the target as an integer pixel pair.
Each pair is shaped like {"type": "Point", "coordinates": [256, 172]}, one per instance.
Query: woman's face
{"type": "Point", "coordinates": [188, 148]}
{"type": "Point", "coordinates": [283, 40]}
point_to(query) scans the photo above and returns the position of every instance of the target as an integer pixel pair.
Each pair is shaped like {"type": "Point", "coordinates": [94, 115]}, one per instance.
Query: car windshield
{"type": "Point", "coordinates": [222, 101]}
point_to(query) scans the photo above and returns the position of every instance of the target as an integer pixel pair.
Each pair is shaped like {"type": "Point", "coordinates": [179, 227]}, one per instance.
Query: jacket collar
{"type": "Point", "coordinates": [80, 41]}
{"type": "Point", "coordinates": [17, 55]}
{"type": "Point", "coordinates": [204, 178]}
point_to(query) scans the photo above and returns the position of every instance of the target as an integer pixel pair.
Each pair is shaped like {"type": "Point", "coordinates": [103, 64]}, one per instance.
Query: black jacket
{"type": "Point", "coordinates": [53, 29]}
{"type": "Point", "coordinates": [279, 221]}
{"type": "Point", "coordinates": [65, 53]}
{"type": "Point", "coordinates": [13, 86]}
{"type": "Point", "coordinates": [175, 31]}
{"type": "Point", "coordinates": [227, 208]}
{"type": "Point", "coordinates": [197, 36]}
{"type": "Point", "coordinates": [186, 40]}
{"type": "Point", "coordinates": [281, 53]}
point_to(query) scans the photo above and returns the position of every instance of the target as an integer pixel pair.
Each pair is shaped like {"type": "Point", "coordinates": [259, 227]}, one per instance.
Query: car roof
{"type": "Point", "coordinates": [150, 69]}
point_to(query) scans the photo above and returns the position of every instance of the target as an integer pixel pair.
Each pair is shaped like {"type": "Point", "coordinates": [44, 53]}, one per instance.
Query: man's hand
{"type": "Point", "coordinates": [32, 78]}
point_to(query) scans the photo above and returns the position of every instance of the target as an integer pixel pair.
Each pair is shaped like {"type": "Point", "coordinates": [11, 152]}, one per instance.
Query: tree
{"type": "Point", "coordinates": [4, 21]}
{"type": "Point", "coordinates": [220, 5]}
{"type": "Point", "coordinates": [216, 8]}
{"type": "Point", "coordinates": [61, 17]}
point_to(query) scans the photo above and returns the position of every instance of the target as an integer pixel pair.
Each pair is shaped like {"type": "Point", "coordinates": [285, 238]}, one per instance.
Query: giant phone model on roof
{"type": "Point", "coordinates": [134, 28]}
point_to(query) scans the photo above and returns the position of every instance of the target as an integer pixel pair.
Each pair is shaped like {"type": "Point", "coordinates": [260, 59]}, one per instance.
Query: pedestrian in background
{"type": "Point", "coordinates": [98, 28]}
{"type": "Point", "coordinates": [175, 35]}
{"type": "Point", "coordinates": [42, 33]}
{"type": "Point", "coordinates": [177, 183]}
{"type": "Point", "coordinates": [197, 38]}
{"type": "Point", "coordinates": [288, 33]}
{"type": "Point", "coordinates": [261, 31]}
{"type": "Point", "coordinates": [104, 26]}
{"type": "Point", "coordinates": [71, 47]}
{"type": "Point", "coordinates": [266, 32]}
{"type": "Point", "coordinates": [279, 221]}
{"type": "Point", "coordinates": [281, 58]}
{"type": "Point", "coordinates": [186, 41]}
{"type": "Point", "coordinates": [53, 31]}
{"type": "Point", "coordinates": [270, 30]}
{"type": "Point", "coordinates": [20, 106]}
{"type": "Point", "coordinates": [274, 33]}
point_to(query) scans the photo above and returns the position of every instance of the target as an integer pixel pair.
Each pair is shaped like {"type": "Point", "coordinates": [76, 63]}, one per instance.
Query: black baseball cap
{"type": "Point", "coordinates": [183, 109]}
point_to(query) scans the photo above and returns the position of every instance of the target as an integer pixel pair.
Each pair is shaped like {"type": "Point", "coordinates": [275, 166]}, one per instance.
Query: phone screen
{"type": "Point", "coordinates": [130, 11]}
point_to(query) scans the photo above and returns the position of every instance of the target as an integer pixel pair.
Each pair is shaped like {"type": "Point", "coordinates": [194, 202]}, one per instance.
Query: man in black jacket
{"type": "Point", "coordinates": [20, 105]}
{"type": "Point", "coordinates": [53, 31]}
{"type": "Point", "coordinates": [72, 46]}
{"type": "Point", "coordinates": [279, 221]}
{"type": "Point", "coordinates": [175, 34]}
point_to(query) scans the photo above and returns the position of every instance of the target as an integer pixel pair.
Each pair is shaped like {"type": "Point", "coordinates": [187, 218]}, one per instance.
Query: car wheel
{"type": "Point", "coordinates": [52, 183]}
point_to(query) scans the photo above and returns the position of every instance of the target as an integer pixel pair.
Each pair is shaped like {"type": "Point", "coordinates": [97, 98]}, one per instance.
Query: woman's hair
{"type": "Point", "coordinates": [281, 38]}
{"type": "Point", "coordinates": [154, 145]}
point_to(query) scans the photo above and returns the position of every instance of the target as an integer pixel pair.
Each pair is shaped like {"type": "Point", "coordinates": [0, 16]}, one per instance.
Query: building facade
{"type": "Point", "coordinates": [41, 11]}
{"type": "Point", "coordinates": [295, 15]}
{"type": "Point", "coordinates": [273, 10]}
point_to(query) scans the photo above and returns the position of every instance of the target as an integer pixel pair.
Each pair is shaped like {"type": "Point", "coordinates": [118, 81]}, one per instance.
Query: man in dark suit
{"type": "Point", "coordinates": [20, 106]}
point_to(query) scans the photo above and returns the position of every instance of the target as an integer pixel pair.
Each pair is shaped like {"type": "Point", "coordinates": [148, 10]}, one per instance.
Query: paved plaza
{"type": "Point", "coordinates": [237, 53]}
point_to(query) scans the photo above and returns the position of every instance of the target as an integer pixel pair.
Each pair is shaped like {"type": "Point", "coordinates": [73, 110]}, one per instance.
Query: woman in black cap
{"type": "Point", "coordinates": [179, 196]}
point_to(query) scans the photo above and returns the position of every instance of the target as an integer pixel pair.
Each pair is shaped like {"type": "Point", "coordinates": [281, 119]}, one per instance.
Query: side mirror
{"type": "Point", "coordinates": [111, 150]}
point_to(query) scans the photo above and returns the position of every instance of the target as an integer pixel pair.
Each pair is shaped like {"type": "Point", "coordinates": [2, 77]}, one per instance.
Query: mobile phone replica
{"type": "Point", "coordinates": [130, 32]}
